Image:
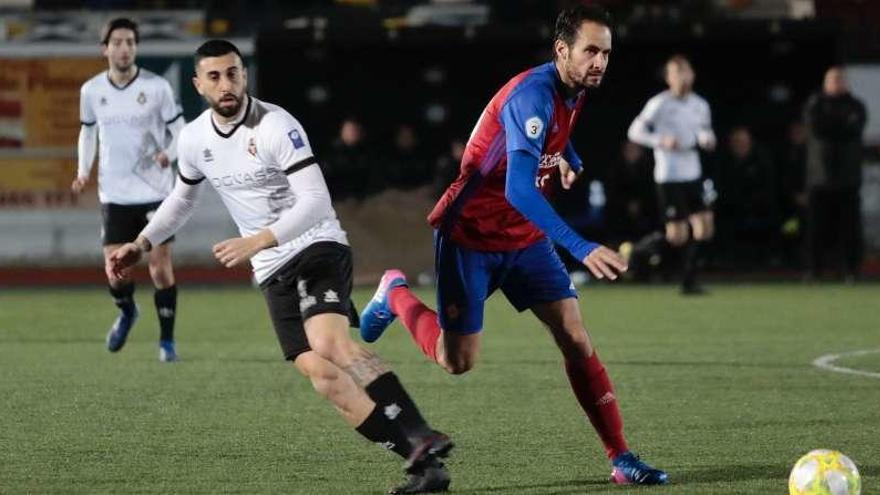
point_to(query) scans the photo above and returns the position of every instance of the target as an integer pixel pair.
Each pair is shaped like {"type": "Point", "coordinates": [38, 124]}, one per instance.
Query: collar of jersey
{"type": "Point", "coordinates": [225, 135]}
{"type": "Point", "coordinates": [120, 88]}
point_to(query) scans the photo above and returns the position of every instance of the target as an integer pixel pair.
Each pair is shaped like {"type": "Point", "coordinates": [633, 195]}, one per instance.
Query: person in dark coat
{"type": "Point", "coordinates": [835, 120]}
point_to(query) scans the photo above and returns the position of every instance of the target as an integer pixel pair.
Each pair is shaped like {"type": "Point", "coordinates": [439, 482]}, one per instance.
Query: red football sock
{"type": "Point", "coordinates": [593, 390]}
{"type": "Point", "coordinates": [420, 320]}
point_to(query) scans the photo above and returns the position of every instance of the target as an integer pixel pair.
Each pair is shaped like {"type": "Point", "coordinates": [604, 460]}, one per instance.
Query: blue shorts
{"type": "Point", "coordinates": [467, 277]}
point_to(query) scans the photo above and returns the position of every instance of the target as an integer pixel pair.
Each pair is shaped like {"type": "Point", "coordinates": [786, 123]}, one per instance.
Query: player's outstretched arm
{"type": "Point", "coordinates": [521, 192]}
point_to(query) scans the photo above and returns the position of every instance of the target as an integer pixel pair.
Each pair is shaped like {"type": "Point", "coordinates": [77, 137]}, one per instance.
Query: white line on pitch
{"type": "Point", "coordinates": [826, 363]}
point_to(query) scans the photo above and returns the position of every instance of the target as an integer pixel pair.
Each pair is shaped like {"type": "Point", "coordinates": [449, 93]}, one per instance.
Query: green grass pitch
{"type": "Point", "coordinates": [718, 390]}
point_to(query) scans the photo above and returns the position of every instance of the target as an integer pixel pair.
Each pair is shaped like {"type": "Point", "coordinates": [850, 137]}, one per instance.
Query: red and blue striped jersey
{"type": "Point", "coordinates": [530, 113]}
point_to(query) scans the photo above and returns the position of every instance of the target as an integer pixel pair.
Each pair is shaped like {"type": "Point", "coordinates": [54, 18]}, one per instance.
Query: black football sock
{"type": "Point", "coordinates": [390, 396]}
{"type": "Point", "coordinates": [166, 308]}
{"type": "Point", "coordinates": [379, 429]}
{"type": "Point", "coordinates": [123, 297]}
{"type": "Point", "coordinates": [692, 258]}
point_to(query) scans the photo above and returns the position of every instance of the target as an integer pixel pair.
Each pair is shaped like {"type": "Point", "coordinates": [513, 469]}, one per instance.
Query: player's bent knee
{"type": "Point", "coordinates": [458, 364]}
{"type": "Point", "coordinates": [458, 367]}
{"type": "Point", "coordinates": [328, 336]}
{"type": "Point", "coordinates": [162, 279]}
{"type": "Point", "coordinates": [458, 353]}
{"type": "Point", "coordinates": [705, 233]}
{"type": "Point", "coordinates": [676, 239]}
{"type": "Point", "coordinates": [324, 385]}
{"type": "Point", "coordinates": [676, 235]}
{"type": "Point", "coordinates": [305, 363]}
{"type": "Point", "coordinates": [573, 342]}
{"type": "Point", "coordinates": [322, 381]}
{"type": "Point", "coordinates": [573, 337]}
{"type": "Point", "coordinates": [317, 370]}
{"type": "Point", "coordinates": [324, 346]}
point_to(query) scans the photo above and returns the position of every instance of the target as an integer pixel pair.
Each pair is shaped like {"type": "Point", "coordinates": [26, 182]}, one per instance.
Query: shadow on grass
{"type": "Point", "coordinates": [707, 364]}
{"type": "Point", "coordinates": [744, 472]}
{"type": "Point", "coordinates": [733, 473]}
{"type": "Point", "coordinates": [869, 470]}
{"type": "Point", "coordinates": [54, 340]}
{"type": "Point", "coordinates": [706, 474]}
{"type": "Point", "coordinates": [660, 364]}
{"type": "Point", "coordinates": [556, 487]}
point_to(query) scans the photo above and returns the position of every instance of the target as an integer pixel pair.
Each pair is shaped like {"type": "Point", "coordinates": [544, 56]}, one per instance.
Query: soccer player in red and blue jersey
{"type": "Point", "coordinates": [495, 229]}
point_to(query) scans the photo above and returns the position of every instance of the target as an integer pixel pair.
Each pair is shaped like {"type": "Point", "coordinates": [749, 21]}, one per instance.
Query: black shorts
{"type": "Point", "coordinates": [679, 200]}
{"type": "Point", "coordinates": [315, 281]}
{"type": "Point", "coordinates": [123, 223]}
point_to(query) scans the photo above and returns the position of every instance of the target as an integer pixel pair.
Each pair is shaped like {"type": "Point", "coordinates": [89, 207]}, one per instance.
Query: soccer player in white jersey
{"type": "Point", "coordinates": [258, 158]}
{"type": "Point", "coordinates": [676, 124]}
{"type": "Point", "coordinates": [132, 113]}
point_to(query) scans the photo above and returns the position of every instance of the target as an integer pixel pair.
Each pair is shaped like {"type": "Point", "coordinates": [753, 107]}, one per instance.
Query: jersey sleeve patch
{"type": "Point", "coordinates": [296, 138]}
{"type": "Point", "coordinates": [533, 127]}
{"type": "Point", "coordinates": [525, 117]}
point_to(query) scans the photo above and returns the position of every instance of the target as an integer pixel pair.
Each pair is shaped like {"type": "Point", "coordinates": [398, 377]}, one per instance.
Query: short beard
{"type": "Point", "coordinates": [228, 111]}
{"type": "Point", "coordinates": [579, 84]}
{"type": "Point", "coordinates": [123, 69]}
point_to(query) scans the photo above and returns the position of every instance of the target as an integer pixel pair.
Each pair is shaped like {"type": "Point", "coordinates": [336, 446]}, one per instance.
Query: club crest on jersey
{"type": "Point", "coordinates": [550, 161]}
{"type": "Point", "coordinates": [208, 156]}
{"type": "Point", "coordinates": [296, 138]}
{"type": "Point", "coordinates": [252, 147]}
{"type": "Point", "coordinates": [534, 126]}
{"type": "Point", "coordinates": [142, 98]}
{"type": "Point", "coordinates": [103, 100]}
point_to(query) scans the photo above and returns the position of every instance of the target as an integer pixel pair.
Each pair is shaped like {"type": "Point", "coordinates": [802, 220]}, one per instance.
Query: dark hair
{"type": "Point", "coordinates": [570, 19]}
{"type": "Point", "coordinates": [677, 59]}
{"type": "Point", "coordinates": [119, 23]}
{"type": "Point", "coordinates": [216, 48]}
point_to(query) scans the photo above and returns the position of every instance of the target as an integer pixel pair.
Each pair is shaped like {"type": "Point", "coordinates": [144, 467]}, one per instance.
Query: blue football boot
{"type": "Point", "coordinates": [119, 331]}
{"type": "Point", "coordinates": [377, 315]}
{"type": "Point", "coordinates": [630, 470]}
{"type": "Point", "coordinates": [167, 353]}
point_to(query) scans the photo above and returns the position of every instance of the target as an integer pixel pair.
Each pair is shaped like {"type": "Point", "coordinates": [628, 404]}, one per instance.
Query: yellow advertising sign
{"type": "Point", "coordinates": [39, 99]}
{"type": "Point", "coordinates": [40, 182]}
{"type": "Point", "coordinates": [39, 125]}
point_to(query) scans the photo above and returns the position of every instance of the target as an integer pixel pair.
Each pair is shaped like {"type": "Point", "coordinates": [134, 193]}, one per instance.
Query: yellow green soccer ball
{"type": "Point", "coordinates": [824, 472]}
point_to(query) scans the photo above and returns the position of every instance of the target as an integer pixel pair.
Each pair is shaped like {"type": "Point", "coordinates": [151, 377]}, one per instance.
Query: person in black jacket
{"type": "Point", "coordinates": [835, 120]}
{"type": "Point", "coordinates": [748, 207]}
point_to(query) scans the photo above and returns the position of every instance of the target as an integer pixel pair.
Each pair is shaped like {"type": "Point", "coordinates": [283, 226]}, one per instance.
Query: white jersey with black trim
{"type": "Point", "coordinates": [686, 119]}
{"type": "Point", "coordinates": [248, 166]}
{"type": "Point", "coordinates": [132, 122]}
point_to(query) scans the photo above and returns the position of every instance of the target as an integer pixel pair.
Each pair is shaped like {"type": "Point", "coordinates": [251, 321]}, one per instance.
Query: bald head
{"type": "Point", "coordinates": [835, 83]}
